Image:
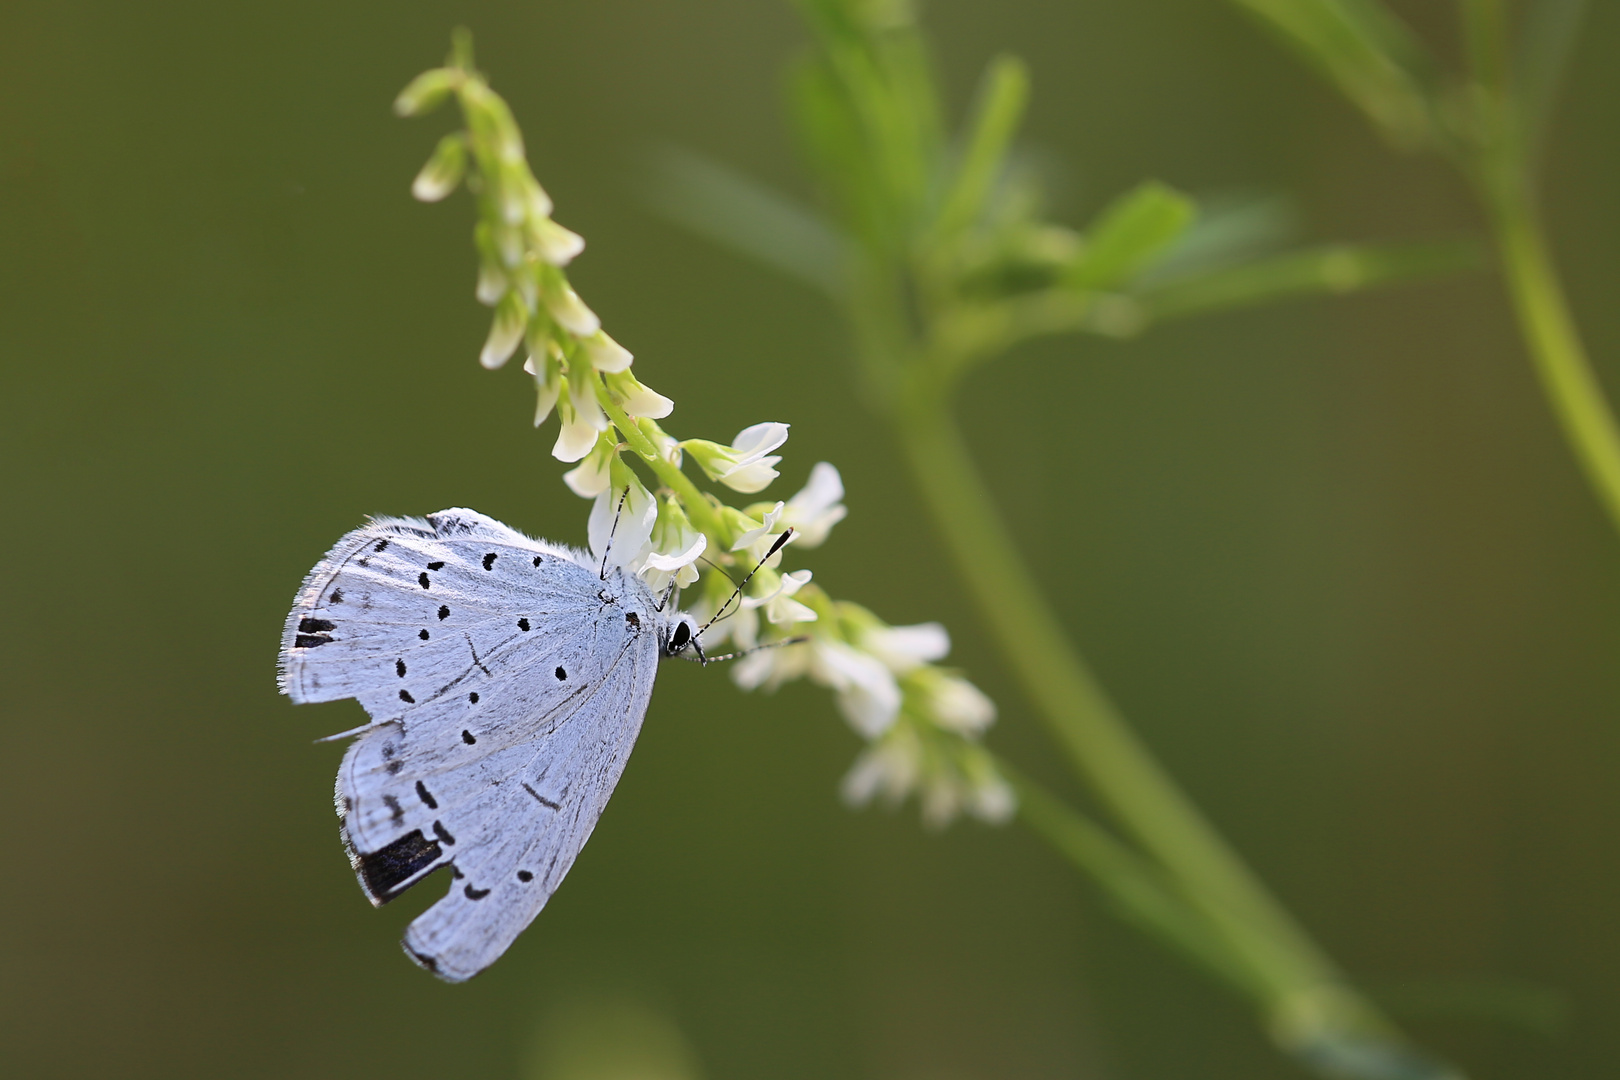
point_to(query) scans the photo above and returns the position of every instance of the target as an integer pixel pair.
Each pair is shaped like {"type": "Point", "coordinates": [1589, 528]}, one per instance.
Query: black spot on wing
{"type": "Point", "coordinates": [396, 813]}
{"type": "Point", "coordinates": [405, 696]}
{"type": "Point", "coordinates": [473, 697]}
{"type": "Point", "coordinates": [436, 566]}
{"type": "Point", "coordinates": [489, 561]}
{"type": "Point", "coordinates": [524, 875]}
{"type": "Point", "coordinates": [380, 545]}
{"type": "Point", "coordinates": [538, 560]}
{"type": "Point", "coordinates": [444, 613]}
{"type": "Point", "coordinates": [443, 834]}
{"type": "Point", "coordinates": [426, 796]}
{"type": "Point", "coordinates": [314, 626]}
{"type": "Point", "coordinates": [310, 641]}
{"type": "Point", "coordinates": [422, 579]}
{"type": "Point", "coordinates": [336, 597]}
{"type": "Point", "coordinates": [383, 870]}
{"type": "Point", "coordinates": [523, 624]}
{"type": "Point", "coordinates": [475, 894]}
{"type": "Point", "coordinates": [467, 737]}
{"type": "Point", "coordinates": [399, 668]}
{"type": "Point", "coordinates": [423, 634]}
{"type": "Point", "coordinates": [561, 674]}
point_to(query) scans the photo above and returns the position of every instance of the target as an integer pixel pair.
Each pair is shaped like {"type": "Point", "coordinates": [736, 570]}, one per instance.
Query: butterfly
{"type": "Point", "coordinates": [506, 679]}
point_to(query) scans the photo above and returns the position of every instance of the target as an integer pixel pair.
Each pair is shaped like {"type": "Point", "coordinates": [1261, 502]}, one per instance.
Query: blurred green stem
{"type": "Point", "coordinates": [1300, 988]}
{"type": "Point", "coordinates": [1549, 331]}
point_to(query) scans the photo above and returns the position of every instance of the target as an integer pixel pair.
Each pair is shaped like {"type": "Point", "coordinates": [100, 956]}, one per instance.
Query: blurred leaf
{"type": "Point", "coordinates": [1003, 93]}
{"type": "Point", "coordinates": [1130, 233]}
{"type": "Point", "coordinates": [868, 110]}
{"type": "Point", "coordinates": [1336, 268]}
{"type": "Point", "coordinates": [1364, 50]}
{"type": "Point", "coordinates": [744, 215]}
{"type": "Point", "coordinates": [831, 139]}
{"type": "Point", "coordinates": [1551, 28]}
{"type": "Point", "coordinates": [1229, 229]}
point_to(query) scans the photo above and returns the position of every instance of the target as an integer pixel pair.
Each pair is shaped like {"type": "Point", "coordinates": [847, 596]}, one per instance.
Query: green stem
{"type": "Point", "coordinates": [698, 508]}
{"type": "Point", "coordinates": [1301, 989]}
{"type": "Point", "coordinates": [1560, 360]}
{"type": "Point", "coordinates": [1138, 889]}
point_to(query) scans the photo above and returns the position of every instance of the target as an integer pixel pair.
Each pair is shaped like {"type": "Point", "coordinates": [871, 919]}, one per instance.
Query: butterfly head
{"type": "Point", "coordinates": [681, 636]}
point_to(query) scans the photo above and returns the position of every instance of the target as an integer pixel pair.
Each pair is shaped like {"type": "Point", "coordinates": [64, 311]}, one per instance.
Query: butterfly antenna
{"type": "Point", "coordinates": [757, 648]}
{"type": "Point", "coordinates": [736, 593]}
{"type": "Point", "coordinates": [611, 532]}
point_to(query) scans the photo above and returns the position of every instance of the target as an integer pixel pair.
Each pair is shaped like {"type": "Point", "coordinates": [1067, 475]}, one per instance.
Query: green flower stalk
{"type": "Point", "coordinates": [939, 254]}
{"type": "Point", "coordinates": [922, 722]}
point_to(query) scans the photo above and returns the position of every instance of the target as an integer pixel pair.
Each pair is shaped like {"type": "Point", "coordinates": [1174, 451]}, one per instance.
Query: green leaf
{"type": "Point", "coordinates": [1003, 93]}
{"type": "Point", "coordinates": [868, 108]}
{"type": "Point", "coordinates": [1364, 50]}
{"type": "Point", "coordinates": [1230, 228]}
{"type": "Point", "coordinates": [1336, 268]}
{"type": "Point", "coordinates": [1130, 234]}
{"type": "Point", "coordinates": [740, 213]}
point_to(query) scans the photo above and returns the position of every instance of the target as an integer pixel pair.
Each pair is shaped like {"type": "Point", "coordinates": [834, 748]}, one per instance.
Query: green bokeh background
{"type": "Point", "coordinates": [1332, 558]}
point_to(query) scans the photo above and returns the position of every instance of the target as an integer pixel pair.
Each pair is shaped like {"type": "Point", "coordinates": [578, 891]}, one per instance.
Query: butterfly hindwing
{"type": "Point", "coordinates": [506, 683]}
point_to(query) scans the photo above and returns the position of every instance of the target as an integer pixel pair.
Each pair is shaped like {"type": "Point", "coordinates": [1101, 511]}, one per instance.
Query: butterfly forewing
{"type": "Point", "coordinates": [506, 684]}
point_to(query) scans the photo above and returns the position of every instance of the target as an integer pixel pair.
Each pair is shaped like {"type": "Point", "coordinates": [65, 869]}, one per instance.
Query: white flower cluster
{"type": "Point", "coordinates": [921, 721]}
{"type": "Point", "coordinates": [522, 253]}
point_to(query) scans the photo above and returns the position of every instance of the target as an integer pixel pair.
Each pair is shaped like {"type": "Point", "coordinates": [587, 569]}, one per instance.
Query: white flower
{"type": "Point", "coordinates": [747, 465]}
{"type": "Point", "coordinates": [993, 801]}
{"type": "Point", "coordinates": [770, 668]}
{"type": "Point", "coordinates": [606, 354]}
{"type": "Point", "coordinates": [491, 283]}
{"type": "Point", "coordinates": [582, 418]}
{"type": "Point", "coordinates": [868, 696]}
{"type": "Point", "coordinates": [742, 624]}
{"type": "Point", "coordinates": [567, 308]}
{"type": "Point", "coordinates": [778, 603]}
{"type": "Point", "coordinates": [637, 399]}
{"type": "Point", "coordinates": [889, 768]}
{"type": "Point", "coordinates": [556, 245]}
{"type": "Point", "coordinates": [818, 506]}
{"type": "Point", "coordinates": [547, 383]}
{"type": "Point", "coordinates": [904, 648]}
{"type": "Point", "coordinates": [511, 318]}
{"type": "Point", "coordinates": [672, 549]}
{"type": "Point", "coordinates": [956, 704]}
{"type": "Point", "coordinates": [443, 170]}
{"type": "Point", "coordinates": [759, 532]}
{"type": "Point", "coordinates": [590, 478]}
{"type": "Point", "coordinates": [621, 544]}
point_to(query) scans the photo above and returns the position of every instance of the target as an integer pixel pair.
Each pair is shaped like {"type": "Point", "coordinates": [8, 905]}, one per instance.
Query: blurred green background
{"type": "Point", "coordinates": [1332, 558]}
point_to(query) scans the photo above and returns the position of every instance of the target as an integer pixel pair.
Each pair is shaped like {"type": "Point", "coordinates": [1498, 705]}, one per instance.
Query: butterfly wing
{"type": "Point", "coordinates": [506, 684]}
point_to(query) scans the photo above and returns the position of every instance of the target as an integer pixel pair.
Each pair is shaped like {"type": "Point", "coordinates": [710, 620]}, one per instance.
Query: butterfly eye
{"type": "Point", "coordinates": [679, 639]}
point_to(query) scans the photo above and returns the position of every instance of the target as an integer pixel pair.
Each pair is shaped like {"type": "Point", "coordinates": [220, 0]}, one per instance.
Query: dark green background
{"type": "Point", "coordinates": [1332, 558]}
